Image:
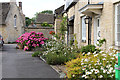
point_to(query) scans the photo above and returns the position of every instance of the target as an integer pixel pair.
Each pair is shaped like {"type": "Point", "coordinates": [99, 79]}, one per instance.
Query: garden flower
{"type": "Point", "coordinates": [42, 42]}
{"type": "Point", "coordinates": [96, 71]}
{"type": "Point", "coordinates": [101, 76]}
{"type": "Point", "coordinates": [88, 73]}
{"type": "Point", "coordinates": [86, 60]}
{"type": "Point", "coordinates": [104, 59]}
{"type": "Point", "coordinates": [88, 53]}
{"type": "Point", "coordinates": [83, 76]}
{"type": "Point", "coordinates": [104, 71]}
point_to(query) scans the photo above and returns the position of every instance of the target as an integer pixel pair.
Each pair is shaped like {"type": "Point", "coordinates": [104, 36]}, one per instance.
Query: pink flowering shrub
{"type": "Point", "coordinates": [32, 39]}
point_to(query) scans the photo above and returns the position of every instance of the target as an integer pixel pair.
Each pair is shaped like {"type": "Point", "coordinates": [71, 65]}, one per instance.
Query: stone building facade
{"type": "Point", "coordinates": [103, 17]}
{"type": "Point", "coordinates": [12, 21]}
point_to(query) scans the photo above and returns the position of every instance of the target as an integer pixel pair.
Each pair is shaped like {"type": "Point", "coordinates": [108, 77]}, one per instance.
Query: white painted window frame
{"type": "Point", "coordinates": [117, 43]}
{"type": "Point", "coordinates": [83, 28]}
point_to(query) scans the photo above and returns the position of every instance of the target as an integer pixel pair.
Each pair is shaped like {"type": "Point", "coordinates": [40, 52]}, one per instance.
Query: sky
{"type": "Point", "coordinates": [30, 7]}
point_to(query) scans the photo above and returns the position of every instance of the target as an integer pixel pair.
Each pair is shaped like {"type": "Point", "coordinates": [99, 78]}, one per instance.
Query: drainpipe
{"type": "Point", "coordinates": [67, 30]}
{"type": "Point", "coordinates": [88, 1]}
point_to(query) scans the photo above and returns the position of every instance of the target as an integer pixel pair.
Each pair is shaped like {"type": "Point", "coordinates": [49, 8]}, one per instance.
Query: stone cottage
{"type": "Point", "coordinates": [92, 20]}
{"type": "Point", "coordinates": [12, 21]}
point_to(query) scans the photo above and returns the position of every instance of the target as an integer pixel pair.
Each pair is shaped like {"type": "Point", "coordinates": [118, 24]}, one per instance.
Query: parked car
{"type": "Point", "coordinates": [1, 41]}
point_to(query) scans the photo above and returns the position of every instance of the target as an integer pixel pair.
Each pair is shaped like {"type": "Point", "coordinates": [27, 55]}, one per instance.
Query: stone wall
{"type": "Point", "coordinates": [44, 30]}
{"type": "Point", "coordinates": [57, 25]}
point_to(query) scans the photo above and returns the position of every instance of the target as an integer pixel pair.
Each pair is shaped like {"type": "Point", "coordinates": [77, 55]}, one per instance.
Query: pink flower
{"type": "Point", "coordinates": [37, 44]}
{"type": "Point", "coordinates": [42, 42]}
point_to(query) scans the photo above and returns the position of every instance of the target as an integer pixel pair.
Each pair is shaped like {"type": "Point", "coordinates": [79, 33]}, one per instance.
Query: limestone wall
{"type": "Point", "coordinates": [44, 30]}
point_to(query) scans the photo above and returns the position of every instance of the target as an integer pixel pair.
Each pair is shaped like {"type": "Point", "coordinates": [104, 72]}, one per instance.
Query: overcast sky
{"type": "Point", "coordinates": [30, 7]}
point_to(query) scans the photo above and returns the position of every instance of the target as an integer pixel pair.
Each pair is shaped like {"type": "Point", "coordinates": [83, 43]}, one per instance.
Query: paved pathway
{"type": "Point", "coordinates": [20, 64]}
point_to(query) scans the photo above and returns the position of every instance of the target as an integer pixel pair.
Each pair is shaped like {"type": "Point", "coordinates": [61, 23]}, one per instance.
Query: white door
{"type": "Point", "coordinates": [96, 30]}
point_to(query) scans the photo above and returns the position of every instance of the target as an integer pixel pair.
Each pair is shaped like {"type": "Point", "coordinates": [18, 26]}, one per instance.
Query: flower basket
{"type": "Point", "coordinates": [20, 46]}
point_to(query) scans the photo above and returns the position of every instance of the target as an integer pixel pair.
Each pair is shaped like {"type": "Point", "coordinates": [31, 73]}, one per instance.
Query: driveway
{"type": "Point", "coordinates": [20, 64]}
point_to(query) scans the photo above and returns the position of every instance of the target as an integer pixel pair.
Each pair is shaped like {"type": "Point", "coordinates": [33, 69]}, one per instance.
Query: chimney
{"type": "Point", "coordinates": [20, 5]}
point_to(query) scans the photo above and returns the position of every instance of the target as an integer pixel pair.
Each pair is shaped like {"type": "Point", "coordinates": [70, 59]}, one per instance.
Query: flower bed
{"type": "Point", "coordinates": [92, 65]}
{"type": "Point", "coordinates": [31, 40]}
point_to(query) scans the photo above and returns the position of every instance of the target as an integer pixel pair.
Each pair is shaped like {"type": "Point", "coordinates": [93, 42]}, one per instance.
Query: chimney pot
{"type": "Point", "coordinates": [20, 5]}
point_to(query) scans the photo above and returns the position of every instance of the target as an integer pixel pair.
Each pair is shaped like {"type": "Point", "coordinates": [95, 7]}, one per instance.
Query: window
{"type": "Point", "coordinates": [83, 29]}
{"type": "Point", "coordinates": [117, 24]}
{"type": "Point", "coordinates": [15, 20]}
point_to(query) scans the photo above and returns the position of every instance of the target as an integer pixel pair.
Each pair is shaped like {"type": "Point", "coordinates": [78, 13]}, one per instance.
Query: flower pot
{"type": "Point", "coordinates": [20, 46]}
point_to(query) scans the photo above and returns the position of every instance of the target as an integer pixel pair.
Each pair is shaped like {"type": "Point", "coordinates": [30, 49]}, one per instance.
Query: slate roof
{"type": "Point", "coordinates": [4, 9]}
{"type": "Point", "coordinates": [59, 11]}
{"type": "Point", "coordinates": [49, 18]}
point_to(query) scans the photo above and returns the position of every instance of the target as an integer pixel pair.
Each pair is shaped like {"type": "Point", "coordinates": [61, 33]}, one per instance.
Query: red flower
{"type": "Point", "coordinates": [52, 32]}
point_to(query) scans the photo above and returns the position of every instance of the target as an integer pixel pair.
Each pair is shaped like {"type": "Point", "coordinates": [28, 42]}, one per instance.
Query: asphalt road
{"type": "Point", "coordinates": [20, 64]}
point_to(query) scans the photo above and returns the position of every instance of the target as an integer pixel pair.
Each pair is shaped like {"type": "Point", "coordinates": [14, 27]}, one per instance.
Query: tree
{"type": "Point", "coordinates": [29, 21]}
{"type": "Point", "coordinates": [47, 12]}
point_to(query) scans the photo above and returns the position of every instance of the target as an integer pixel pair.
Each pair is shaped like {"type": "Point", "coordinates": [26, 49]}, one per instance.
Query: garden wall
{"type": "Point", "coordinates": [44, 30]}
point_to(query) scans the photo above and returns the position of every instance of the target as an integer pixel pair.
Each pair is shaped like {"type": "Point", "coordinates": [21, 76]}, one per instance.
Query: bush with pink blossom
{"type": "Point", "coordinates": [32, 40]}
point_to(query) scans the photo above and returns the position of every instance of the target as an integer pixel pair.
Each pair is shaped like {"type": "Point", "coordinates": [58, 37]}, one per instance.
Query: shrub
{"type": "Point", "coordinates": [58, 53]}
{"type": "Point", "coordinates": [36, 54]}
{"type": "Point", "coordinates": [32, 40]}
{"type": "Point", "coordinates": [45, 24]}
{"type": "Point", "coordinates": [88, 48]}
{"type": "Point", "coordinates": [54, 59]}
{"type": "Point", "coordinates": [92, 65]}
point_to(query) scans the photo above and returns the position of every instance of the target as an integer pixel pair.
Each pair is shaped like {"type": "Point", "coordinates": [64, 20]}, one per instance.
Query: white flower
{"type": "Point", "coordinates": [86, 77]}
{"type": "Point", "coordinates": [83, 76]}
{"type": "Point", "coordinates": [73, 75]}
{"type": "Point", "coordinates": [86, 60]}
{"type": "Point", "coordinates": [111, 68]}
{"type": "Point", "coordinates": [88, 53]}
{"type": "Point", "coordinates": [88, 73]}
{"type": "Point", "coordinates": [103, 54]}
{"type": "Point", "coordinates": [112, 58]}
{"type": "Point", "coordinates": [95, 55]}
{"type": "Point", "coordinates": [113, 71]}
{"type": "Point", "coordinates": [110, 54]}
{"type": "Point", "coordinates": [104, 71]}
{"type": "Point", "coordinates": [102, 68]}
{"type": "Point", "coordinates": [96, 71]}
{"type": "Point", "coordinates": [91, 70]}
{"type": "Point", "coordinates": [101, 51]}
{"type": "Point", "coordinates": [82, 63]}
{"type": "Point", "coordinates": [100, 76]}
{"type": "Point", "coordinates": [94, 52]}
{"type": "Point", "coordinates": [108, 72]}
{"type": "Point", "coordinates": [104, 59]}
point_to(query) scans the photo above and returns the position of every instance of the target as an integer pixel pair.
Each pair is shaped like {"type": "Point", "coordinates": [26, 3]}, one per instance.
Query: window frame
{"type": "Point", "coordinates": [15, 21]}
{"type": "Point", "coordinates": [117, 43]}
{"type": "Point", "coordinates": [84, 28]}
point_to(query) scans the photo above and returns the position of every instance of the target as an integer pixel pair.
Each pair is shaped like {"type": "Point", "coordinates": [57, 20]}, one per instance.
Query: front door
{"type": "Point", "coordinates": [96, 30]}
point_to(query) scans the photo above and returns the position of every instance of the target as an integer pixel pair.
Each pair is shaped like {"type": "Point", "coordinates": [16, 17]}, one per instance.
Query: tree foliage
{"type": "Point", "coordinates": [47, 12]}
{"type": "Point", "coordinates": [29, 21]}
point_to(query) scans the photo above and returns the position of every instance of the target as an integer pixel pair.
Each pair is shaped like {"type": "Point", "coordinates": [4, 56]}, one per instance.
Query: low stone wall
{"type": "Point", "coordinates": [44, 30]}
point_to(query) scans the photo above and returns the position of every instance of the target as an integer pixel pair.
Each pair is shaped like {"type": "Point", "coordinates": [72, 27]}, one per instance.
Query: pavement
{"type": "Point", "coordinates": [20, 64]}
